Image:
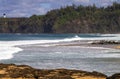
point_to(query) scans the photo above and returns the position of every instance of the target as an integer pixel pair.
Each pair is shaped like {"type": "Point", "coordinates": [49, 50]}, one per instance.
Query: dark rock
{"type": "Point", "coordinates": [115, 76]}
{"type": "Point", "coordinates": [103, 42]}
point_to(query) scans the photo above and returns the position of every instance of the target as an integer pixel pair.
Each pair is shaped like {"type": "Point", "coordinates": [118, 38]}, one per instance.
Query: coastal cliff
{"type": "Point", "coordinates": [12, 71]}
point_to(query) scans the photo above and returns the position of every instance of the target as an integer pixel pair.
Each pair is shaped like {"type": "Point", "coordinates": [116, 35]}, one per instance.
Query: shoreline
{"type": "Point", "coordinates": [78, 43]}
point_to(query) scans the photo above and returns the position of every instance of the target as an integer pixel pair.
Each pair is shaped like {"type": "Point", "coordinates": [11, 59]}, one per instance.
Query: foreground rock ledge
{"type": "Point", "coordinates": [12, 71]}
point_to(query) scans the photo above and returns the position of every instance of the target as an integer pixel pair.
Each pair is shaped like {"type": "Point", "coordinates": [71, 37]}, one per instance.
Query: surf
{"type": "Point", "coordinates": [8, 48]}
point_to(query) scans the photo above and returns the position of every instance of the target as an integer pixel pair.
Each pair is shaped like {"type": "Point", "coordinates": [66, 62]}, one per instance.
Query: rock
{"type": "Point", "coordinates": [12, 71]}
{"type": "Point", "coordinates": [103, 42]}
{"type": "Point", "coordinates": [115, 76]}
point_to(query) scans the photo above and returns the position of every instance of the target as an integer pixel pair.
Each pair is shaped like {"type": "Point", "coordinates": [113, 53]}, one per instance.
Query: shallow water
{"type": "Point", "coordinates": [41, 52]}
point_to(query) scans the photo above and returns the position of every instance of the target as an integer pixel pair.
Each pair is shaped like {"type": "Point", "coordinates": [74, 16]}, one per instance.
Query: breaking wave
{"type": "Point", "coordinates": [8, 48]}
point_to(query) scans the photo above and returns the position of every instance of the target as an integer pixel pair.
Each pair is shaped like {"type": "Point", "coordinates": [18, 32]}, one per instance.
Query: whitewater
{"type": "Point", "coordinates": [51, 51]}
{"type": "Point", "coordinates": [8, 48]}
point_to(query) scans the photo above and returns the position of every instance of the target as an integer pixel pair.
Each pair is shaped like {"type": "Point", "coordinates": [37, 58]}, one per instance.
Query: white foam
{"type": "Point", "coordinates": [7, 52]}
{"type": "Point", "coordinates": [105, 37]}
{"type": "Point", "coordinates": [8, 48]}
{"type": "Point", "coordinates": [58, 52]}
{"type": "Point", "coordinates": [107, 56]}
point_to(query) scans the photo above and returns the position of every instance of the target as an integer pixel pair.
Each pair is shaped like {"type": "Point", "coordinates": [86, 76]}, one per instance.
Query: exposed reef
{"type": "Point", "coordinates": [12, 71]}
{"type": "Point", "coordinates": [104, 42]}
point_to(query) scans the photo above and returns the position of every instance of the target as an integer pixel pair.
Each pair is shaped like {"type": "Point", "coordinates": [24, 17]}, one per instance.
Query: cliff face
{"type": "Point", "coordinates": [10, 25]}
{"type": "Point", "coordinates": [12, 71]}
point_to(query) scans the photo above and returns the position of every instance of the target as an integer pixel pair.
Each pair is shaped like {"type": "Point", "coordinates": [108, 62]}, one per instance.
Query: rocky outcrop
{"type": "Point", "coordinates": [105, 42]}
{"type": "Point", "coordinates": [115, 76]}
{"type": "Point", "coordinates": [12, 71]}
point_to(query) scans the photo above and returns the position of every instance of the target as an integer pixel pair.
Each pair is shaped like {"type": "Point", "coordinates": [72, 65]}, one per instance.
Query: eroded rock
{"type": "Point", "coordinates": [115, 76]}
{"type": "Point", "coordinates": [12, 71]}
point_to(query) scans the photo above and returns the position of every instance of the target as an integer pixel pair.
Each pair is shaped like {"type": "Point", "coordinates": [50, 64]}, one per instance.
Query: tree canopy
{"type": "Point", "coordinates": [70, 19]}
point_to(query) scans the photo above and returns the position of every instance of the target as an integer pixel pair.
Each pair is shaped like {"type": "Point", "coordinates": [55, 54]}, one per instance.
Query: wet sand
{"type": "Point", "coordinates": [88, 44]}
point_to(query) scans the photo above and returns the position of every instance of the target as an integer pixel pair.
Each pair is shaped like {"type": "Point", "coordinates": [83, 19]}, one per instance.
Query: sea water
{"type": "Point", "coordinates": [49, 51]}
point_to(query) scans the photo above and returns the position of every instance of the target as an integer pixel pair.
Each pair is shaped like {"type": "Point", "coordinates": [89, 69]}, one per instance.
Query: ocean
{"type": "Point", "coordinates": [49, 51]}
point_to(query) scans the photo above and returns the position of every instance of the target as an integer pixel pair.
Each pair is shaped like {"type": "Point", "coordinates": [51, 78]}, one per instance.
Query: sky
{"type": "Point", "coordinates": [26, 8]}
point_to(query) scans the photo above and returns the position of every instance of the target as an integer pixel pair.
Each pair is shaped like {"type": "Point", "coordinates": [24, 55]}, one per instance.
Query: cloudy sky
{"type": "Point", "coordinates": [26, 8]}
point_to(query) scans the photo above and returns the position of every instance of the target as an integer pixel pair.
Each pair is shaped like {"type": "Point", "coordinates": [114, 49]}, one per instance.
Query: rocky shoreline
{"type": "Point", "coordinates": [107, 44]}
{"type": "Point", "coordinates": [12, 71]}
{"type": "Point", "coordinates": [104, 42]}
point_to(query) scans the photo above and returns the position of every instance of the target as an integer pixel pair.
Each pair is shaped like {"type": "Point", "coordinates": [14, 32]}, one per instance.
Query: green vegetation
{"type": "Point", "coordinates": [71, 19]}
